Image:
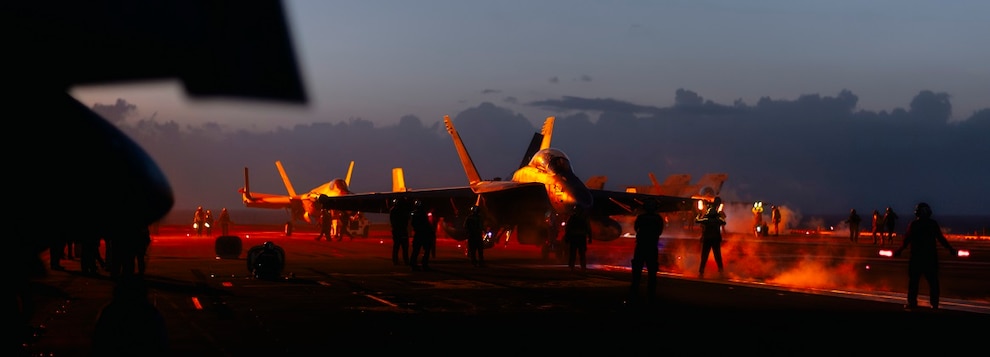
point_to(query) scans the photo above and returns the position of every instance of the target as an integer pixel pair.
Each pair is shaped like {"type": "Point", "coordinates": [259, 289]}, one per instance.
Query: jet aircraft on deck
{"type": "Point", "coordinates": [529, 208]}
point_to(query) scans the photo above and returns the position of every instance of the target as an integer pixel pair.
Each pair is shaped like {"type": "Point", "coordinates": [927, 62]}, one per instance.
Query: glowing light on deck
{"type": "Point", "coordinates": [962, 253]}
{"type": "Point", "coordinates": [195, 301]}
{"type": "Point", "coordinates": [886, 253]}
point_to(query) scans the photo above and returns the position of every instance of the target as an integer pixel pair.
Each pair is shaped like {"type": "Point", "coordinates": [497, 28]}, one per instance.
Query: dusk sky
{"type": "Point", "coordinates": [381, 60]}
{"type": "Point", "coordinates": [801, 97]}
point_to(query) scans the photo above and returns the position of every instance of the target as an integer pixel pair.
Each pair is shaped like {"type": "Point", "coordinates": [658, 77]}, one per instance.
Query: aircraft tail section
{"type": "Point", "coordinates": [469, 169]}
{"type": "Point", "coordinates": [350, 170]}
{"type": "Point", "coordinates": [547, 132]}
{"type": "Point", "coordinates": [246, 190]}
{"type": "Point", "coordinates": [710, 185]}
{"type": "Point", "coordinates": [285, 179]}
{"type": "Point", "coordinates": [398, 180]}
{"type": "Point", "coordinates": [539, 142]}
{"type": "Point", "coordinates": [596, 182]}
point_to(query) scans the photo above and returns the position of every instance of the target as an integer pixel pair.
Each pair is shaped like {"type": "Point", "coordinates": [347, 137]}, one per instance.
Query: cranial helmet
{"type": "Point", "coordinates": [269, 245]}
{"type": "Point", "coordinates": [418, 204]}
{"type": "Point", "coordinates": [474, 209]}
{"type": "Point", "coordinates": [923, 210]}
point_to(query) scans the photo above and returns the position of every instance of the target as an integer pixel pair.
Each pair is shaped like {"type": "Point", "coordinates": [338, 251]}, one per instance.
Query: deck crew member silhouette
{"type": "Point", "coordinates": [775, 219]}
{"type": "Point", "coordinates": [577, 234]}
{"type": "Point", "coordinates": [889, 224]}
{"type": "Point", "coordinates": [398, 218]}
{"type": "Point", "coordinates": [921, 237]}
{"type": "Point", "coordinates": [474, 227]}
{"type": "Point", "coordinates": [854, 220]}
{"type": "Point", "coordinates": [648, 226]}
{"type": "Point", "coordinates": [224, 221]}
{"type": "Point", "coordinates": [877, 227]}
{"type": "Point", "coordinates": [199, 221]}
{"type": "Point", "coordinates": [711, 223]}
{"type": "Point", "coordinates": [424, 235]}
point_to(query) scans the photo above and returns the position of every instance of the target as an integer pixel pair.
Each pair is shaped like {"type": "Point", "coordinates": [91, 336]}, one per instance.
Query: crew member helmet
{"type": "Point", "coordinates": [923, 210]}
{"type": "Point", "coordinates": [474, 209]}
{"type": "Point", "coordinates": [717, 201]}
{"type": "Point", "coordinates": [269, 245]}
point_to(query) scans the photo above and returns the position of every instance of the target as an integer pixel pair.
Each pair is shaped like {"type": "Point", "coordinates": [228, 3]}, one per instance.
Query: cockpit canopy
{"type": "Point", "coordinates": [551, 160]}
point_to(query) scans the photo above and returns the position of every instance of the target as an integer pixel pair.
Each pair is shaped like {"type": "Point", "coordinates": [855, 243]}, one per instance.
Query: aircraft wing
{"type": "Point", "coordinates": [610, 203]}
{"type": "Point", "coordinates": [267, 200]}
{"type": "Point", "coordinates": [451, 201]}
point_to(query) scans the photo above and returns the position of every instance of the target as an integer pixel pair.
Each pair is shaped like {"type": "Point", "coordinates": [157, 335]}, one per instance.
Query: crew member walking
{"type": "Point", "coordinates": [711, 223]}
{"type": "Point", "coordinates": [648, 226]}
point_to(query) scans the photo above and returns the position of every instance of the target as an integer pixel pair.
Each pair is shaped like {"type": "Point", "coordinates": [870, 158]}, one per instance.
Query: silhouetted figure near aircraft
{"type": "Point", "coordinates": [889, 224]}
{"type": "Point", "coordinates": [130, 325]}
{"type": "Point", "coordinates": [711, 223]}
{"type": "Point", "coordinates": [474, 227]}
{"type": "Point", "coordinates": [209, 223]}
{"type": "Point", "coordinates": [921, 236]}
{"type": "Point", "coordinates": [130, 247]}
{"type": "Point", "coordinates": [224, 221]}
{"type": "Point", "coordinates": [326, 225]}
{"type": "Point", "coordinates": [775, 219]}
{"type": "Point", "coordinates": [345, 222]}
{"type": "Point", "coordinates": [199, 221]}
{"type": "Point", "coordinates": [424, 235]}
{"type": "Point", "coordinates": [577, 234]}
{"type": "Point", "coordinates": [266, 261]}
{"type": "Point", "coordinates": [853, 221]}
{"type": "Point", "coordinates": [398, 218]}
{"type": "Point", "coordinates": [877, 227]}
{"type": "Point", "coordinates": [56, 252]}
{"type": "Point", "coordinates": [90, 260]}
{"type": "Point", "coordinates": [648, 226]}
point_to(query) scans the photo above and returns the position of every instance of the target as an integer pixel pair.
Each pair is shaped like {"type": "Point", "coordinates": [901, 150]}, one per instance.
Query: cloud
{"type": "Point", "coordinates": [813, 155]}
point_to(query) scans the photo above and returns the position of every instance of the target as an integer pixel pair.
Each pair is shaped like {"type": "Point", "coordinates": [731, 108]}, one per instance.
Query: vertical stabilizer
{"type": "Point", "coordinates": [547, 133]}
{"type": "Point", "coordinates": [350, 170]}
{"type": "Point", "coordinates": [247, 186]}
{"type": "Point", "coordinates": [469, 169]}
{"type": "Point", "coordinates": [596, 182]}
{"type": "Point", "coordinates": [285, 179]}
{"type": "Point", "coordinates": [398, 180]}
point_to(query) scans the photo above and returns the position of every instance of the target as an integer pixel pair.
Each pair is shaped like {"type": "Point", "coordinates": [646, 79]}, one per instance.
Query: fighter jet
{"type": "Point", "coordinates": [529, 208]}
{"type": "Point", "coordinates": [301, 207]}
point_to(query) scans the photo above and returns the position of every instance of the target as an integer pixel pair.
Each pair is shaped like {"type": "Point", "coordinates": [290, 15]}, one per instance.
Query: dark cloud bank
{"type": "Point", "coordinates": [815, 155]}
